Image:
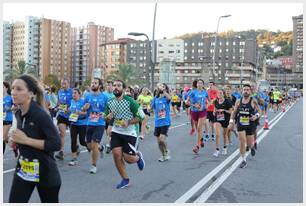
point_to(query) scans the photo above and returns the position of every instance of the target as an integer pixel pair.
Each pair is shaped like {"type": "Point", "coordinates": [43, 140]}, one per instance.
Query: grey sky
{"type": "Point", "coordinates": [172, 18]}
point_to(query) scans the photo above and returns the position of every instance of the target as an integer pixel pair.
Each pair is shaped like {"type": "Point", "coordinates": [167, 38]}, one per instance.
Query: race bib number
{"type": "Point", "coordinates": [245, 120]}
{"type": "Point", "coordinates": [220, 116]}
{"type": "Point", "coordinates": [162, 114]}
{"type": "Point", "coordinates": [119, 122]}
{"type": "Point", "coordinates": [73, 117]}
{"type": "Point", "coordinates": [29, 171]}
{"type": "Point", "coordinates": [4, 115]}
{"type": "Point", "coordinates": [94, 117]}
{"type": "Point", "coordinates": [63, 107]}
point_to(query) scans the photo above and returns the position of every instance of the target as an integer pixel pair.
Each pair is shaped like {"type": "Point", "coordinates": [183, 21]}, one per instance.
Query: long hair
{"type": "Point", "coordinates": [34, 86]}
{"type": "Point", "coordinates": [7, 85]}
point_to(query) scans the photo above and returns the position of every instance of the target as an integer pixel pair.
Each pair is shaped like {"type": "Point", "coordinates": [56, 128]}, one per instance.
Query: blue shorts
{"type": "Point", "coordinates": [94, 133]}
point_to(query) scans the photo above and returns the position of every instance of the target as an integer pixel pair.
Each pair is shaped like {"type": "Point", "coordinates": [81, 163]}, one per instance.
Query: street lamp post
{"type": "Point", "coordinates": [151, 64]}
{"type": "Point", "coordinates": [214, 54]}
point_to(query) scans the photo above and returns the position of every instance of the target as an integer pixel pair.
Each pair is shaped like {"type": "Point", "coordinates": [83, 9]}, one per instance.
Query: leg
{"type": "Point", "coordinates": [218, 131]}
{"type": "Point", "coordinates": [242, 139]}
{"type": "Point", "coordinates": [94, 152]}
{"type": "Point", "coordinates": [48, 195]}
{"type": "Point", "coordinates": [21, 190]}
{"type": "Point", "coordinates": [74, 135]}
{"type": "Point", "coordinates": [118, 159]}
{"type": "Point", "coordinates": [62, 130]}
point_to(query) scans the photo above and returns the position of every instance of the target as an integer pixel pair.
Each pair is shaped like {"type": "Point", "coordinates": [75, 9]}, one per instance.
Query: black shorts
{"type": "Point", "coordinates": [249, 130]}
{"type": "Point", "coordinates": [224, 124]}
{"type": "Point", "coordinates": [185, 106]}
{"type": "Point", "coordinates": [146, 112]}
{"type": "Point", "coordinates": [178, 104]}
{"type": "Point", "coordinates": [161, 130]}
{"type": "Point", "coordinates": [211, 117]}
{"type": "Point", "coordinates": [120, 140]}
{"type": "Point", "coordinates": [276, 102]}
{"type": "Point", "coordinates": [94, 133]}
{"type": "Point", "coordinates": [62, 120]}
{"type": "Point", "coordinates": [7, 123]}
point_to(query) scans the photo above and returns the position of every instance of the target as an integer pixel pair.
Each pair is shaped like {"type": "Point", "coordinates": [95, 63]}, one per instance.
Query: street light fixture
{"type": "Point", "coordinates": [214, 54]}
{"type": "Point", "coordinates": [150, 55]}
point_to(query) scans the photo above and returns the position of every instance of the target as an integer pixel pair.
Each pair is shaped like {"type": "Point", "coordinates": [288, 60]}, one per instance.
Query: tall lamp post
{"type": "Point", "coordinates": [214, 54]}
{"type": "Point", "coordinates": [151, 64]}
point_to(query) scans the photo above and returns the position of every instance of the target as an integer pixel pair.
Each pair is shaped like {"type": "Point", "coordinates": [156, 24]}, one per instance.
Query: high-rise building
{"type": "Point", "coordinates": [86, 49]}
{"type": "Point", "coordinates": [297, 43]}
{"type": "Point", "coordinates": [7, 46]}
{"type": "Point", "coordinates": [55, 49]}
{"type": "Point", "coordinates": [31, 42]}
{"type": "Point", "coordinates": [113, 54]}
{"type": "Point", "coordinates": [18, 43]}
{"type": "Point", "coordinates": [170, 49]}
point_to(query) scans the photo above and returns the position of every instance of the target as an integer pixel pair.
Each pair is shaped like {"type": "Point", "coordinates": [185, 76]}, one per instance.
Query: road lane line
{"type": "Point", "coordinates": [186, 196]}
{"type": "Point", "coordinates": [216, 184]}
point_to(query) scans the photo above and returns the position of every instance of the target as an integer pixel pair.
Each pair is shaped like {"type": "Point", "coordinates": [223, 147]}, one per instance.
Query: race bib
{"type": "Point", "coordinates": [94, 117]}
{"type": "Point", "coordinates": [73, 117]}
{"type": "Point", "coordinates": [63, 107]}
{"type": "Point", "coordinates": [119, 122]}
{"type": "Point", "coordinates": [244, 120]}
{"type": "Point", "coordinates": [29, 171]}
{"type": "Point", "coordinates": [162, 114]}
{"type": "Point", "coordinates": [220, 116]}
{"type": "Point", "coordinates": [4, 115]}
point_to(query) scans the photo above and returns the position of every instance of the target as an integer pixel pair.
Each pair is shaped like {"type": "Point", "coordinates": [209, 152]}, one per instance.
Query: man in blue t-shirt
{"type": "Point", "coordinates": [95, 105]}
{"type": "Point", "coordinates": [162, 121]}
{"type": "Point", "coordinates": [64, 100]}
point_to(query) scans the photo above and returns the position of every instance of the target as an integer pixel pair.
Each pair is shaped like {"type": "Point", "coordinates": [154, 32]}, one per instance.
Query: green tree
{"type": "Point", "coordinates": [21, 68]}
{"type": "Point", "coordinates": [52, 80]}
{"type": "Point", "coordinates": [86, 83]}
{"type": "Point", "coordinates": [127, 73]}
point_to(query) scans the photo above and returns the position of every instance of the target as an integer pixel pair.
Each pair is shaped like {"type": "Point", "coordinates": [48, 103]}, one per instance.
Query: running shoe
{"type": "Point", "coordinates": [243, 164]}
{"type": "Point", "coordinates": [224, 151]}
{"type": "Point", "coordinates": [73, 162]}
{"type": "Point", "coordinates": [101, 149]}
{"type": "Point", "coordinates": [140, 163]}
{"type": "Point", "coordinates": [108, 149]}
{"type": "Point", "coordinates": [93, 169]}
{"type": "Point", "coordinates": [253, 152]}
{"type": "Point", "coordinates": [206, 139]}
{"type": "Point", "coordinates": [202, 142]}
{"type": "Point", "coordinates": [162, 158]}
{"type": "Point", "coordinates": [213, 138]}
{"type": "Point", "coordinates": [60, 155]}
{"type": "Point", "coordinates": [123, 184]}
{"type": "Point", "coordinates": [216, 153]}
{"type": "Point", "coordinates": [196, 149]}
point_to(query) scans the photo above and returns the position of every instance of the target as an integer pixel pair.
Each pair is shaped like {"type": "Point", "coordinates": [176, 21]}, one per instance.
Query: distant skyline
{"type": "Point", "coordinates": [173, 19]}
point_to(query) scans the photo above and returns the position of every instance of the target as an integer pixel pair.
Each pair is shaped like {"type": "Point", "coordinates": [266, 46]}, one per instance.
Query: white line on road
{"type": "Point", "coordinates": [185, 197]}
{"type": "Point", "coordinates": [216, 184]}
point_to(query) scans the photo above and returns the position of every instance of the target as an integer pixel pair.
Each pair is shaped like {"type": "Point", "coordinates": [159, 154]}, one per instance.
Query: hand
{"type": "Point", "coordinates": [110, 116]}
{"type": "Point", "coordinates": [19, 137]}
{"type": "Point", "coordinates": [230, 126]}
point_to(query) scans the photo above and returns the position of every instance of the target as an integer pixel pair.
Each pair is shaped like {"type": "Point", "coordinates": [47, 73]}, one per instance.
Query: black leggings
{"type": "Point", "coordinates": [76, 130]}
{"type": "Point", "coordinates": [21, 191]}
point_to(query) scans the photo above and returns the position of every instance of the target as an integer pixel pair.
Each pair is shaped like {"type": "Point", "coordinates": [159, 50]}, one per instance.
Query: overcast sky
{"type": "Point", "coordinates": [172, 18]}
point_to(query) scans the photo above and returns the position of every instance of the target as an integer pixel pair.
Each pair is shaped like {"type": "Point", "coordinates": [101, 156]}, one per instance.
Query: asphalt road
{"type": "Point", "coordinates": [274, 175]}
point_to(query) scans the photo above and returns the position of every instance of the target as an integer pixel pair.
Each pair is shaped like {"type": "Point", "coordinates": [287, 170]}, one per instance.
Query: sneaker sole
{"type": "Point", "coordinates": [125, 186]}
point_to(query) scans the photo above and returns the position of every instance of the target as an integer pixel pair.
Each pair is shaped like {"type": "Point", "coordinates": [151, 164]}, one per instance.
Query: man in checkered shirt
{"type": "Point", "coordinates": [126, 113]}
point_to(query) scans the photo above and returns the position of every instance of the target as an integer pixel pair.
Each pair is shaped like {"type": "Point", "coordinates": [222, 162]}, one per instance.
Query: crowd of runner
{"type": "Point", "coordinates": [120, 113]}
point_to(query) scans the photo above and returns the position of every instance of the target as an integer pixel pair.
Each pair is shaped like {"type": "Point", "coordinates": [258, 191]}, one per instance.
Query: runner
{"type": "Point", "coordinates": [232, 99]}
{"type": "Point", "coordinates": [222, 112]}
{"type": "Point", "coordinates": [64, 99]}
{"type": "Point", "coordinates": [197, 99]}
{"type": "Point", "coordinates": [161, 107]}
{"type": "Point", "coordinates": [245, 110]}
{"type": "Point", "coordinates": [95, 105]}
{"type": "Point", "coordinates": [53, 102]}
{"type": "Point", "coordinates": [276, 100]}
{"type": "Point", "coordinates": [145, 100]}
{"type": "Point", "coordinates": [126, 113]}
{"type": "Point", "coordinates": [192, 124]}
{"type": "Point", "coordinates": [108, 125]}
{"type": "Point", "coordinates": [7, 112]}
{"type": "Point", "coordinates": [212, 93]}
{"type": "Point", "coordinates": [78, 125]}
{"type": "Point", "coordinates": [37, 139]}
{"type": "Point", "coordinates": [175, 102]}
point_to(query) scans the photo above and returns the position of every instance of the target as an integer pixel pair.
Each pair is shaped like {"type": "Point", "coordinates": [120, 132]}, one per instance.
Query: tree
{"type": "Point", "coordinates": [127, 73]}
{"type": "Point", "coordinates": [21, 68]}
{"type": "Point", "coordinates": [52, 80]}
{"type": "Point", "coordinates": [86, 83]}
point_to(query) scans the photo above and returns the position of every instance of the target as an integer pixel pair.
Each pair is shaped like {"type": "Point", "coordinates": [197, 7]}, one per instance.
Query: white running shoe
{"type": "Point", "coordinates": [93, 169]}
{"type": "Point", "coordinates": [224, 151]}
{"type": "Point", "coordinates": [216, 153]}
